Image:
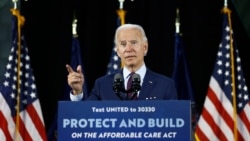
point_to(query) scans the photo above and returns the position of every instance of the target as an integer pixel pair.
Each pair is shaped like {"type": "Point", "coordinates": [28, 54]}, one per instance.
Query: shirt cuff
{"type": "Point", "coordinates": [78, 97]}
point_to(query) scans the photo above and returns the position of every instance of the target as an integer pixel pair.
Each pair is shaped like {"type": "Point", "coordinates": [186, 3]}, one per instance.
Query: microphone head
{"type": "Point", "coordinates": [118, 83]}
{"type": "Point", "coordinates": [136, 77]}
{"type": "Point", "coordinates": [136, 82]}
{"type": "Point", "coordinates": [118, 78]}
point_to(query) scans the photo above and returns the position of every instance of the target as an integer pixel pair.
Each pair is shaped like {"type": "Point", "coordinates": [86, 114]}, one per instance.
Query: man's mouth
{"type": "Point", "coordinates": [128, 57]}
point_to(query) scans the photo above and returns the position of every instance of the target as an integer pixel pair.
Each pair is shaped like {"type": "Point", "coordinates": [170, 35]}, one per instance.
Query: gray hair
{"type": "Point", "coordinates": [130, 26]}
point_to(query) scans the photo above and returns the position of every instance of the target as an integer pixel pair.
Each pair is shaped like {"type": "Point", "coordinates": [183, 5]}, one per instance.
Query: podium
{"type": "Point", "coordinates": [124, 120]}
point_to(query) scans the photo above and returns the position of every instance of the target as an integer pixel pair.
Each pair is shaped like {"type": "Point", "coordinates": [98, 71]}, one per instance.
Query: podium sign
{"type": "Point", "coordinates": [124, 120]}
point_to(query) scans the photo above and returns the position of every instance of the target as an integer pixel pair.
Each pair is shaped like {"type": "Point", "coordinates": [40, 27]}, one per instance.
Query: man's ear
{"type": "Point", "coordinates": [145, 49]}
{"type": "Point", "coordinates": [117, 51]}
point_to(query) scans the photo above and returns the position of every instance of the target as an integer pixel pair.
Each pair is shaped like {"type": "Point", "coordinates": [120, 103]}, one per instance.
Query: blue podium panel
{"type": "Point", "coordinates": [124, 120]}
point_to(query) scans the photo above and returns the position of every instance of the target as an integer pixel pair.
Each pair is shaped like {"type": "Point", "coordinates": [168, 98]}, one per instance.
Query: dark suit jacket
{"type": "Point", "coordinates": [155, 86]}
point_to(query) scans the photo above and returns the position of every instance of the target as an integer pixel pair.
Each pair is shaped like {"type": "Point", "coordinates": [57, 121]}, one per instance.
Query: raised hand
{"type": "Point", "coordinates": [75, 79]}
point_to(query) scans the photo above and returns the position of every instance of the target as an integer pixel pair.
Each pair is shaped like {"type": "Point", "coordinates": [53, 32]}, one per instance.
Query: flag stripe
{"type": "Point", "coordinates": [36, 123]}
{"type": "Point", "coordinates": [4, 128]}
{"type": "Point", "coordinates": [22, 129]}
{"type": "Point", "coordinates": [9, 127]}
{"type": "Point", "coordinates": [245, 116]}
{"type": "Point", "coordinates": [214, 112]}
{"type": "Point", "coordinates": [203, 136]}
{"type": "Point", "coordinates": [222, 107]}
{"type": "Point", "coordinates": [243, 122]}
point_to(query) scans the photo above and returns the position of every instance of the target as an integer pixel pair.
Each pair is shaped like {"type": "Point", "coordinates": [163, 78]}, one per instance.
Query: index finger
{"type": "Point", "coordinates": [69, 68]}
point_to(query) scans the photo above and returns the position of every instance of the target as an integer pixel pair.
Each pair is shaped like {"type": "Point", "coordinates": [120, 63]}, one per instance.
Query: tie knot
{"type": "Point", "coordinates": [131, 74]}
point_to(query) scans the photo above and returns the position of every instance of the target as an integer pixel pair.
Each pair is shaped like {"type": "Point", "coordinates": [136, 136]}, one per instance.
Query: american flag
{"type": "Point", "coordinates": [20, 114]}
{"type": "Point", "coordinates": [226, 112]}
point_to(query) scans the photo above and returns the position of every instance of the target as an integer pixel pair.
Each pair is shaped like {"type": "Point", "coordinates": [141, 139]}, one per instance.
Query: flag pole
{"type": "Point", "coordinates": [20, 22]}
{"type": "Point", "coordinates": [227, 11]}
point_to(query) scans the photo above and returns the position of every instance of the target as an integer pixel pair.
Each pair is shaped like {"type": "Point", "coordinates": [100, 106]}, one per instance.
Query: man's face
{"type": "Point", "coordinates": [131, 48]}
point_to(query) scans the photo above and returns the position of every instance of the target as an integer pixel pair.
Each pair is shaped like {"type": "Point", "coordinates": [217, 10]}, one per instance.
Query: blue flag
{"type": "Point", "coordinates": [182, 78]}
{"type": "Point", "coordinates": [181, 72]}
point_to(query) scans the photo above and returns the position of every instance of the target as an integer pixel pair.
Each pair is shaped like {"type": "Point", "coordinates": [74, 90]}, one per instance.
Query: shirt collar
{"type": "Point", "coordinates": [141, 71]}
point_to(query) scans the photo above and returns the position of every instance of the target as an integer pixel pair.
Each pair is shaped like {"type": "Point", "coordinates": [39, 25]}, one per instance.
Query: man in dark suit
{"type": "Point", "coordinates": [131, 46]}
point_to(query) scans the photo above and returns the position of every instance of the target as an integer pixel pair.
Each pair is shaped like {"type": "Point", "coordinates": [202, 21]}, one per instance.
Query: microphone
{"type": "Point", "coordinates": [136, 81]}
{"type": "Point", "coordinates": [118, 83]}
